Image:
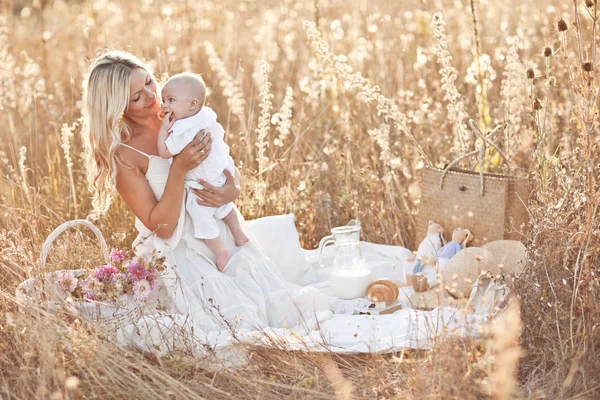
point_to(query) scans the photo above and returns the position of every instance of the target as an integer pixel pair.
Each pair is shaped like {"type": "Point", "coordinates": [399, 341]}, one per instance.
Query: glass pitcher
{"type": "Point", "coordinates": [350, 275]}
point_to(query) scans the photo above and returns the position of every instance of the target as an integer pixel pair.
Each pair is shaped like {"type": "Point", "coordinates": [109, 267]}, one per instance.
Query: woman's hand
{"type": "Point", "coordinates": [194, 153]}
{"type": "Point", "coordinates": [212, 196]}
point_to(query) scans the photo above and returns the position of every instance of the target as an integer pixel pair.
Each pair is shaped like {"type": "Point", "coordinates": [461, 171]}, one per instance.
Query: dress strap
{"type": "Point", "coordinates": [136, 150]}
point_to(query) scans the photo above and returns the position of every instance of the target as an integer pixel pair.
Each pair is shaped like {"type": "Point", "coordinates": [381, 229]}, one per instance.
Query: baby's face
{"type": "Point", "coordinates": [178, 100]}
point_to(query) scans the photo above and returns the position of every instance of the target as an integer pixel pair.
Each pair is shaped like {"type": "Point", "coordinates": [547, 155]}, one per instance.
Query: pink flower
{"type": "Point", "coordinates": [137, 271]}
{"type": "Point", "coordinates": [119, 278]}
{"type": "Point", "coordinates": [141, 290]}
{"type": "Point", "coordinates": [117, 255]}
{"type": "Point", "coordinates": [92, 288]}
{"type": "Point", "coordinates": [151, 278]}
{"type": "Point", "coordinates": [65, 282]}
{"type": "Point", "coordinates": [105, 273]}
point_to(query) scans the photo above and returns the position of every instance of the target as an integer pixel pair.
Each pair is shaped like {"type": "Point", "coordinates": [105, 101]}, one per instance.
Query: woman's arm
{"type": "Point", "coordinates": [161, 216]}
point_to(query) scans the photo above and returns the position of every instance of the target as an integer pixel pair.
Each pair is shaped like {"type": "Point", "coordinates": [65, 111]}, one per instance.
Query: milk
{"type": "Point", "coordinates": [350, 284]}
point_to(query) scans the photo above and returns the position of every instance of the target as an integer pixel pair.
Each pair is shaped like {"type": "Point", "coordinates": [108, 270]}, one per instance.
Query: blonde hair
{"type": "Point", "coordinates": [192, 82]}
{"type": "Point", "coordinates": [106, 94]}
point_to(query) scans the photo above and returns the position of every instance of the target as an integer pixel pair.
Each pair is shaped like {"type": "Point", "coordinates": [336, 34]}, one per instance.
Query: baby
{"type": "Point", "coordinates": [183, 96]}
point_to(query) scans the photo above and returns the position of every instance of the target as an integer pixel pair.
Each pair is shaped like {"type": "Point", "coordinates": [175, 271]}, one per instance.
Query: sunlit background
{"type": "Point", "coordinates": [359, 95]}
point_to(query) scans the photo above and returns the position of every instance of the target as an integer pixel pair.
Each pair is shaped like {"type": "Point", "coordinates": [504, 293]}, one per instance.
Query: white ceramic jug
{"type": "Point", "coordinates": [350, 275]}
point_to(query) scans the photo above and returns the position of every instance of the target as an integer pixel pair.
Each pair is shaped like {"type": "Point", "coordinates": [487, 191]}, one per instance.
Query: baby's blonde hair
{"type": "Point", "coordinates": [193, 82]}
{"type": "Point", "coordinates": [106, 94]}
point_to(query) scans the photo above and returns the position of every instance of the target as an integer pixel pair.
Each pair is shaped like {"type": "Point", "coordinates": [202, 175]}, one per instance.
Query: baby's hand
{"type": "Point", "coordinates": [167, 123]}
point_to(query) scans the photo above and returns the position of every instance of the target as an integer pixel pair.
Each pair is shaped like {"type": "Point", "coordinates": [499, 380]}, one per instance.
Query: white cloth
{"type": "Point", "coordinates": [210, 170]}
{"type": "Point", "coordinates": [280, 242]}
{"type": "Point", "coordinates": [348, 307]}
{"type": "Point", "coordinates": [195, 307]}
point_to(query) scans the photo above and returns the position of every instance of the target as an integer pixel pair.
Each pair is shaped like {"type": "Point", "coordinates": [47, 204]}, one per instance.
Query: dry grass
{"type": "Point", "coordinates": [339, 146]}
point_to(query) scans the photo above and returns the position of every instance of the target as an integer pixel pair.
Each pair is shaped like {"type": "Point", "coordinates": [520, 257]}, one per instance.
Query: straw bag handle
{"type": "Point", "coordinates": [63, 227]}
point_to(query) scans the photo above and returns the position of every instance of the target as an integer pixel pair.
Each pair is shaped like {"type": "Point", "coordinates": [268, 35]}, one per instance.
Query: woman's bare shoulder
{"type": "Point", "coordinates": [130, 162]}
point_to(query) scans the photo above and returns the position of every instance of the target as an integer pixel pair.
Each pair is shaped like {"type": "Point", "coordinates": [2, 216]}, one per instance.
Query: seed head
{"type": "Point", "coordinates": [561, 25]}
{"type": "Point", "coordinates": [530, 73]}
{"type": "Point", "coordinates": [71, 383]}
{"type": "Point", "coordinates": [587, 66]}
{"type": "Point", "coordinates": [590, 3]}
{"type": "Point", "coordinates": [537, 105]}
{"type": "Point", "coordinates": [548, 51]}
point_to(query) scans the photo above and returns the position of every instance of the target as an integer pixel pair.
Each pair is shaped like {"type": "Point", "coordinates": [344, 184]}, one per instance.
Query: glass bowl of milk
{"type": "Point", "coordinates": [350, 274]}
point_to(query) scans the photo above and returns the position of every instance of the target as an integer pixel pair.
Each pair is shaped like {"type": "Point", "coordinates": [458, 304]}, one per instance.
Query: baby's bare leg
{"type": "Point", "coordinates": [232, 221]}
{"type": "Point", "coordinates": [220, 251]}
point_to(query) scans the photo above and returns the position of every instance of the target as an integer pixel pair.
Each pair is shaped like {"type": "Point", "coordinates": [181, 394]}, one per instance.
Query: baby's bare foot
{"type": "Point", "coordinates": [240, 238]}
{"type": "Point", "coordinates": [222, 260]}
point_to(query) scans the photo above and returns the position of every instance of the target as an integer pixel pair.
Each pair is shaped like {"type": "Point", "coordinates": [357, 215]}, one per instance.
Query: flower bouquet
{"type": "Point", "coordinates": [122, 276]}
{"type": "Point", "coordinates": [112, 294]}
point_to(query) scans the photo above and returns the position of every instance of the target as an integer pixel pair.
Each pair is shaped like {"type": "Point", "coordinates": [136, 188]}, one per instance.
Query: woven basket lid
{"type": "Point", "coordinates": [434, 298]}
{"type": "Point", "coordinates": [509, 256]}
{"type": "Point", "coordinates": [464, 268]}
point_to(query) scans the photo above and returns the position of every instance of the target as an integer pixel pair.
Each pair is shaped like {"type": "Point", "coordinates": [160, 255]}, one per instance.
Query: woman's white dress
{"type": "Point", "coordinates": [196, 305]}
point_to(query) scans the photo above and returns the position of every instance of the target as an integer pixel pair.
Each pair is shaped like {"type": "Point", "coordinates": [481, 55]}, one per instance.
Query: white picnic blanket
{"type": "Point", "coordinates": [342, 332]}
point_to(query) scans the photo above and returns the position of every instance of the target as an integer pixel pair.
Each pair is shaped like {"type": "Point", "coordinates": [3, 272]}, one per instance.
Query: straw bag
{"type": "Point", "coordinates": [41, 291]}
{"type": "Point", "coordinates": [454, 201]}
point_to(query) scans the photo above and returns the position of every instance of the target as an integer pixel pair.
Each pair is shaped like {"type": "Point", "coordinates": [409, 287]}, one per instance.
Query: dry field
{"type": "Point", "coordinates": [332, 108]}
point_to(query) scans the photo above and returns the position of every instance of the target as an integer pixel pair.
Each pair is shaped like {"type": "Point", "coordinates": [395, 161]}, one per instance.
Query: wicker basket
{"type": "Point", "coordinates": [464, 268]}
{"type": "Point", "coordinates": [456, 202]}
{"type": "Point", "coordinates": [435, 297]}
{"type": "Point", "coordinates": [509, 257]}
{"type": "Point", "coordinates": [40, 290]}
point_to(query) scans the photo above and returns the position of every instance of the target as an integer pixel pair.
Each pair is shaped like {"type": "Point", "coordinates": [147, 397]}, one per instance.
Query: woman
{"type": "Point", "coordinates": [123, 120]}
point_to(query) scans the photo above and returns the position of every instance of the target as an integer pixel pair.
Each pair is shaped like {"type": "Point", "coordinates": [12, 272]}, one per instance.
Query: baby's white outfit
{"type": "Point", "coordinates": [210, 170]}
